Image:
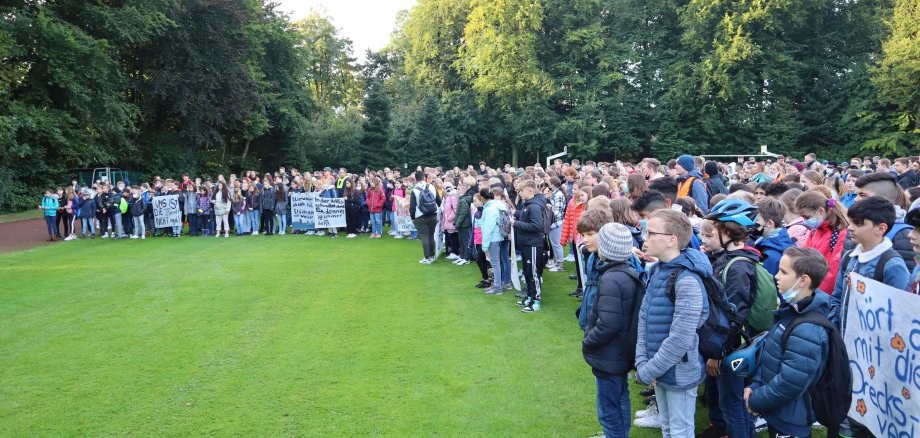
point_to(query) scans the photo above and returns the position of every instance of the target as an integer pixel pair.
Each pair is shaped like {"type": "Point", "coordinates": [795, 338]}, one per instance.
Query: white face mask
{"type": "Point", "coordinates": [790, 294]}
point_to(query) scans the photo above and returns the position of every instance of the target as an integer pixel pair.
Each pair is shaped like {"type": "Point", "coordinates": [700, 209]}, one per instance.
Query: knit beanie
{"type": "Point", "coordinates": [614, 242]}
{"type": "Point", "coordinates": [687, 162]}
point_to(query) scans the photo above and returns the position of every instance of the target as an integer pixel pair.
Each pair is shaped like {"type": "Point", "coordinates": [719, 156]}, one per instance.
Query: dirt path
{"type": "Point", "coordinates": [22, 235]}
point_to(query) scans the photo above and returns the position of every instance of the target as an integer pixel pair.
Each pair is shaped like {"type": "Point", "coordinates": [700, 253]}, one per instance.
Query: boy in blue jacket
{"type": "Point", "coordinates": [773, 238]}
{"type": "Point", "coordinates": [667, 346]}
{"type": "Point", "coordinates": [780, 382]}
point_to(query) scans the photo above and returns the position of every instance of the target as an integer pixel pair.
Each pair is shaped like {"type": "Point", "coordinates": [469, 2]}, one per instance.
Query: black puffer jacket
{"type": "Point", "coordinates": [741, 280]}
{"type": "Point", "coordinates": [529, 220]}
{"type": "Point", "coordinates": [609, 345]}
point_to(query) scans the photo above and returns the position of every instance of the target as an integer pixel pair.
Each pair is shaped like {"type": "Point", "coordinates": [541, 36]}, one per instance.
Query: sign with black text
{"type": "Point", "coordinates": [166, 211]}
{"type": "Point", "coordinates": [329, 212]}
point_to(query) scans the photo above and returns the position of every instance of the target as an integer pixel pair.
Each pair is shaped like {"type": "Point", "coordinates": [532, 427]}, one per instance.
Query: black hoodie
{"type": "Point", "coordinates": [528, 222]}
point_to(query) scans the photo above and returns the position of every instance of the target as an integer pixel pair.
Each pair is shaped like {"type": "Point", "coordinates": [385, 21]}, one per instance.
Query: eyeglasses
{"type": "Point", "coordinates": [647, 233]}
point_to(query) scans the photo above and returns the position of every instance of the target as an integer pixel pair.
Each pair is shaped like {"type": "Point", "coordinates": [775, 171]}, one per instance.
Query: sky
{"type": "Point", "coordinates": [368, 23]}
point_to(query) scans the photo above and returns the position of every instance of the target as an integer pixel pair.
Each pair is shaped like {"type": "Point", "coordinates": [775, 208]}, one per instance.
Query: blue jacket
{"type": "Point", "coordinates": [698, 190]}
{"type": "Point", "coordinates": [490, 232]}
{"type": "Point", "coordinates": [772, 248]}
{"type": "Point", "coordinates": [896, 275]}
{"type": "Point", "coordinates": [782, 377]}
{"type": "Point", "coordinates": [50, 205]}
{"type": "Point", "coordinates": [590, 290]}
{"type": "Point", "coordinates": [667, 348]}
{"type": "Point", "coordinates": [847, 199]}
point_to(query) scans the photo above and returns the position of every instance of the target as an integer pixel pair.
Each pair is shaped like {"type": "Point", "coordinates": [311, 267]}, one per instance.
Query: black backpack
{"type": "Point", "coordinates": [830, 396]}
{"type": "Point", "coordinates": [720, 332]}
{"type": "Point", "coordinates": [547, 219]}
{"type": "Point", "coordinates": [879, 274]}
{"type": "Point", "coordinates": [427, 201]}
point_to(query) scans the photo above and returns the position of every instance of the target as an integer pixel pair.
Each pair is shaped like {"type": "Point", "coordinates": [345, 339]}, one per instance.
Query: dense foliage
{"type": "Point", "coordinates": [207, 86]}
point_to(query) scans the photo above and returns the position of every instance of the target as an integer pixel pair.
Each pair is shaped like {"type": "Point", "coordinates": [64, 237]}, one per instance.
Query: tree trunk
{"type": "Point", "coordinates": [514, 155]}
{"type": "Point", "coordinates": [245, 152]}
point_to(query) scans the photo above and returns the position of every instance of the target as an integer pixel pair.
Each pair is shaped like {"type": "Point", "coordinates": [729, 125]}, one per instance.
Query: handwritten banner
{"type": "Point", "coordinates": [403, 219]}
{"type": "Point", "coordinates": [329, 212]}
{"type": "Point", "coordinates": [882, 335]}
{"type": "Point", "coordinates": [166, 211]}
{"type": "Point", "coordinates": [303, 210]}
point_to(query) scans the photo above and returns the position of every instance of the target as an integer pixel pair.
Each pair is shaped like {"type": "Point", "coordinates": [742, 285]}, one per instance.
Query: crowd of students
{"type": "Point", "coordinates": [664, 255]}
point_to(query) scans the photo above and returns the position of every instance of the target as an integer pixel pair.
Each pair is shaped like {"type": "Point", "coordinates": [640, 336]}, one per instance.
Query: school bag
{"type": "Point", "coordinates": [831, 394]}
{"type": "Point", "coordinates": [123, 205]}
{"type": "Point", "coordinates": [504, 222]}
{"type": "Point", "coordinates": [138, 208]}
{"type": "Point", "coordinates": [547, 219]}
{"type": "Point", "coordinates": [722, 325]}
{"type": "Point", "coordinates": [427, 202]}
{"type": "Point", "coordinates": [879, 274]}
{"type": "Point", "coordinates": [760, 317]}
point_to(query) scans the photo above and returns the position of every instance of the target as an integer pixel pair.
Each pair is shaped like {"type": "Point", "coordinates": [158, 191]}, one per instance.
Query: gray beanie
{"type": "Point", "coordinates": [614, 242]}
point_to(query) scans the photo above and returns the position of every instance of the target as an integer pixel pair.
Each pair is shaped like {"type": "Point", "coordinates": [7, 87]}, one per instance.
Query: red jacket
{"type": "Point", "coordinates": [375, 201]}
{"type": "Point", "coordinates": [820, 239]}
{"type": "Point", "coordinates": [572, 215]}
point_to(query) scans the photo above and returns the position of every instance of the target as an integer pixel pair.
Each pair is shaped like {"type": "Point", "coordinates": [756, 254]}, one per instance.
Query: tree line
{"type": "Point", "coordinates": [208, 86]}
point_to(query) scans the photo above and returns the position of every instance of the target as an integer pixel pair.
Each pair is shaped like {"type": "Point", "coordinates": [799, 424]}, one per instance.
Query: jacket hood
{"type": "Point", "coordinates": [779, 241]}
{"type": "Point", "coordinates": [693, 260]}
{"type": "Point", "coordinates": [498, 203]}
{"type": "Point", "coordinates": [746, 252]}
{"type": "Point", "coordinates": [537, 198]}
{"type": "Point", "coordinates": [820, 302]}
{"type": "Point", "coordinates": [694, 173]}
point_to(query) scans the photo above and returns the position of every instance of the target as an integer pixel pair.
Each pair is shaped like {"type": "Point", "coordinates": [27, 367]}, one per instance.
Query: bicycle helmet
{"type": "Point", "coordinates": [734, 210]}
{"type": "Point", "coordinates": [743, 361]}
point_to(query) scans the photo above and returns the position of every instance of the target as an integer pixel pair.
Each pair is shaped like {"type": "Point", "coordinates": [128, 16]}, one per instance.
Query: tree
{"type": "Point", "coordinates": [897, 79]}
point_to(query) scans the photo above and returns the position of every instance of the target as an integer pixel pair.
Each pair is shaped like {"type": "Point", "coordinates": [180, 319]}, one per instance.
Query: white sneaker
{"type": "Point", "coordinates": [105, 235]}
{"type": "Point", "coordinates": [462, 262]}
{"type": "Point", "coordinates": [452, 257]}
{"type": "Point", "coordinates": [350, 236]}
{"type": "Point", "coordinates": [570, 258]}
{"type": "Point", "coordinates": [652, 409]}
{"type": "Point", "coordinates": [320, 233]}
{"type": "Point", "coordinates": [70, 237]}
{"type": "Point", "coordinates": [760, 424]}
{"type": "Point", "coordinates": [255, 233]}
{"type": "Point", "coordinates": [392, 233]}
{"type": "Point", "coordinates": [132, 236]}
{"type": "Point", "coordinates": [425, 261]}
{"type": "Point", "coordinates": [143, 236]}
{"type": "Point", "coordinates": [310, 233]}
{"type": "Point", "coordinates": [398, 236]}
{"type": "Point", "coordinates": [652, 421]}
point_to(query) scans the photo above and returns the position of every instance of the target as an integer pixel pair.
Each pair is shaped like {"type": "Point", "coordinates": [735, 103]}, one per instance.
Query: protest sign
{"type": "Point", "coordinates": [403, 219]}
{"type": "Point", "coordinates": [329, 212]}
{"type": "Point", "coordinates": [166, 211]}
{"type": "Point", "coordinates": [882, 335]}
{"type": "Point", "coordinates": [302, 210]}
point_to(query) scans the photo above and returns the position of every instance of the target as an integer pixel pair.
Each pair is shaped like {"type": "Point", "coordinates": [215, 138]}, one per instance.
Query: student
{"type": "Point", "coordinates": [793, 222]}
{"type": "Point", "coordinates": [481, 261]}
{"type": "Point", "coordinates": [870, 220]}
{"type": "Point", "coordinates": [462, 221]}
{"type": "Point", "coordinates": [137, 209]}
{"type": "Point", "coordinates": [280, 209]}
{"type": "Point", "coordinates": [376, 199]}
{"type": "Point", "coordinates": [737, 266]}
{"type": "Point", "coordinates": [913, 219]}
{"type": "Point", "coordinates": [352, 210]}
{"type": "Point", "coordinates": [777, 391]}
{"type": "Point", "coordinates": [87, 213]}
{"type": "Point", "coordinates": [589, 225]}
{"type": "Point", "coordinates": [609, 343]}
{"type": "Point", "coordinates": [254, 208]}
{"type": "Point", "coordinates": [238, 206]}
{"type": "Point", "coordinates": [558, 201]}
{"type": "Point", "coordinates": [690, 182]}
{"type": "Point", "coordinates": [570, 236]}
{"type": "Point", "coordinates": [268, 208]}
{"type": "Point", "coordinates": [222, 209]}
{"type": "Point", "coordinates": [667, 344]}
{"type": "Point", "coordinates": [828, 222]}
{"type": "Point", "coordinates": [203, 204]}
{"type": "Point", "coordinates": [396, 196]}
{"type": "Point", "coordinates": [886, 186]}
{"type": "Point", "coordinates": [492, 238]}
{"type": "Point", "coordinates": [849, 197]}
{"type": "Point", "coordinates": [528, 225]}
{"type": "Point", "coordinates": [50, 206]}
{"type": "Point", "coordinates": [329, 192]}
{"type": "Point", "coordinates": [772, 237]}
{"type": "Point", "coordinates": [449, 212]}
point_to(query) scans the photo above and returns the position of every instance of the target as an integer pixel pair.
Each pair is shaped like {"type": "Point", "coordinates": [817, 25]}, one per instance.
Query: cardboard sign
{"type": "Point", "coordinates": [882, 335]}
{"type": "Point", "coordinates": [303, 210]}
{"type": "Point", "coordinates": [166, 211]}
{"type": "Point", "coordinates": [329, 212]}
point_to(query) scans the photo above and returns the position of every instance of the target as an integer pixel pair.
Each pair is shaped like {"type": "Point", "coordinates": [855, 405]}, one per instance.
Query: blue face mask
{"type": "Point", "coordinates": [813, 222]}
{"type": "Point", "coordinates": [643, 224]}
{"type": "Point", "coordinates": [790, 294]}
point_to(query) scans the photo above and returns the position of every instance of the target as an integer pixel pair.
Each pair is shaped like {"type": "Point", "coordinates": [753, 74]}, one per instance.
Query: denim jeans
{"type": "Point", "coordinates": [554, 236]}
{"type": "Point", "coordinates": [495, 258]}
{"type": "Point", "coordinates": [676, 409]}
{"type": "Point", "coordinates": [139, 226]}
{"type": "Point", "coordinates": [377, 223]}
{"type": "Point", "coordinates": [254, 218]}
{"type": "Point", "coordinates": [282, 222]}
{"type": "Point", "coordinates": [506, 262]}
{"type": "Point", "coordinates": [51, 223]}
{"type": "Point", "coordinates": [242, 224]}
{"type": "Point", "coordinates": [613, 410]}
{"type": "Point", "coordinates": [88, 223]}
{"type": "Point", "coordinates": [738, 422]}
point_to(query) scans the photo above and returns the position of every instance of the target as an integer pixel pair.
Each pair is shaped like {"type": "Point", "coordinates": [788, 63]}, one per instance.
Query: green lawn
{"type": "Point", "coordinates": [21, 216]}
{"type": "Point", "coordinates": [283, 335]}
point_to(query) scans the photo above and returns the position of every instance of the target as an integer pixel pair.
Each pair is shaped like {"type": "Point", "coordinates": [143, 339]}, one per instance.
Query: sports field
{"type": "Point", "coordinates": [283, 335]}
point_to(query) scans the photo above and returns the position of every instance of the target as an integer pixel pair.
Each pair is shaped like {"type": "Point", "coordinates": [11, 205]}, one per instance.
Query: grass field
{"type": "Point", "coordinates": [21, 216]}
{"type": "Point", "coordinates": [281, 336]}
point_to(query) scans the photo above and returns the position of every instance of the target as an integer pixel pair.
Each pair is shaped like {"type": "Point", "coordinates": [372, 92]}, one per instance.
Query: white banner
{"type": "Point", "coordinates": [882, 335]}
{"type": "Point", "coordinates": [329, 212]}
{"type": "Point", "coordinates": [302, 210]}
{"type": "Point", "coordinates": [403, 219]}
{"type": "Point", "coordinates": [166, 211]}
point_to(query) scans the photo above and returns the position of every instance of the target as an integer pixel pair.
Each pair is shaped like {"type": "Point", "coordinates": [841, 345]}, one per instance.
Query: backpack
{"type": "Point", "coordinates": [427, 201]}
{"type": "Point", "coordinates": [831, 394]}
{"type": "Point", "coordinates": [123, 205]}
{"type": "Point", "coordinates": [879, 274]}
{"type": "Point", "coordinates": [765, 301]}
{"type": "Point", "coordinates": [547, 219]}
{"type": "Point", "coordinates": [721, 326]}
{"type": "Point", "coordinates": [138, 208]}
{"type": "Point", "coordinates": [504, 222]}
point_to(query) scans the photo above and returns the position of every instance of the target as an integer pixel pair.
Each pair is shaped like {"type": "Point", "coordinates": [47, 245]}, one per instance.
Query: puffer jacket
{"type": "Point", "coordinates": [558, 204]}
{"type": "Point", "coordinates": [609, 342]}
{"type": "Point", "coordinates": [782, 377]}
{"type": "Point", "coordinates": [896, 275]}
{"type": "Point", "coordinates": [741, 279]}
{"type": "Point", "coordinates": [589, 288]}
{"type": "Point", "coordinates": [667, 346]}
{"type": "Point", "coordinates": [489, 225]}
{"type": "Point", "coordinates": [375, 201]}
{"type": "Point", "coordinates": [820, 239]}
{"type": "Point", "coordinates": [449, 213]}
{"type": "Point", "coordinates": [572, 216]}
{"type": "Point", "coordinates": [268, 200]}
{"type": "Point", "coordinates": [528, 222]}
{"type": "Point", "coordinates": [464, 206]}
{"type": "Point", "coordinates": [772, 248]}
{"type": "Point", "coordinates": [221, 205]}
{"type": "Point", "coordinates": [477, 227]}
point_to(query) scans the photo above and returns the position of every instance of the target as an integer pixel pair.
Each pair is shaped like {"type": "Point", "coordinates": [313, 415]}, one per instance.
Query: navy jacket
{"type": "Point", "coordinates": [783, 376]}
{"type": "Point", "coordinates": [741, 279]}
{"type": "Point", "coordinates": [609, 345]}
{"type": "Point", "coordinates": [772, 248]}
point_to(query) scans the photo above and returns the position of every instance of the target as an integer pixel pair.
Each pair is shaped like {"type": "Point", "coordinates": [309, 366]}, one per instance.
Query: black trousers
{"type": "Point", "coordinates": [482, 263]}
{"type": "Point", "coordinates": [532, 258]}
{"type": "Point", "coordinates": [466, 244]}
{"type": "Point", "coordinates": [425, 226]}
{"type": "Point", "coordinates": [452, 243]}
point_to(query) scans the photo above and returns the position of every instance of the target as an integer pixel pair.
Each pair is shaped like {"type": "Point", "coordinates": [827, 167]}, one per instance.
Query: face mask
{"type": "Point", "coordinates": [643, 224]}
{"type": "Point", "coordinates": [813, 222]}
{"type": "Point", "coordinates": [790, 294]}
{"type": "Point", "coordinates": [756, 233]}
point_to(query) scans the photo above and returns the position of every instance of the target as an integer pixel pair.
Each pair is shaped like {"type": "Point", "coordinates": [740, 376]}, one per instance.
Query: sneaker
{"type": "Point", "coordinates": [484, 284]}
{"type": "Point", "coordinates": [143, 237]}
{"type": "Point", "coordinates": [555, 268]}
{"type": "Point", "coordinates": [350, 236]}
{"type": "Point", "coordinates": [105, 235]}
{"type": "Point", "coordinates": [570, 258]}
{"type": "Point", "coordinates": [461, 262]}
{"type": "Point", "coordinates": [647, 391]}
{"type": "Point", "coordinates": [494, 291]}
{"type": "Point", "coordinates": [576, 293]}
{"type": "Point", "coordinates": [573, 277]}
{"type": "Point", "coordinates": [507, 286]}
{"type": "Point", "coordinates": [652, 409]}
{"type": "Point", "coordinates": [320, 233]}
{"type": "Point", "coordinates": [310, 233]}
{"type": "Point", "coordinates": [452, 257]}
{"type": "Point", "coordinates": [760, 424]}
{"type": "Point", "coordinates": [398, 236]}
{"type": "Point", "coordinates": [425, 261]}
{"type": "Point", "coordinates": [333, 236]}
{"type": "Point", "coordinates": [535, 305]}
{"type": "Point", "coordinates": [527, 309]}
{"type": "Point", "coordinates": [714, 431]}
{"type": "Point", "coordinates": [523, 303]}
{"type": "Point", "coordinates": [520, 295]}
{"type": "Point", "coordinates": [651, 421]}
{"type": "Point", "coordinates": [133, 236]}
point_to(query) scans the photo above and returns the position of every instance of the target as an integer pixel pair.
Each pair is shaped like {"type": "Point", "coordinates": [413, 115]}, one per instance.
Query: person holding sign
{"type": "Point", "coordinates": [778, 389]}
